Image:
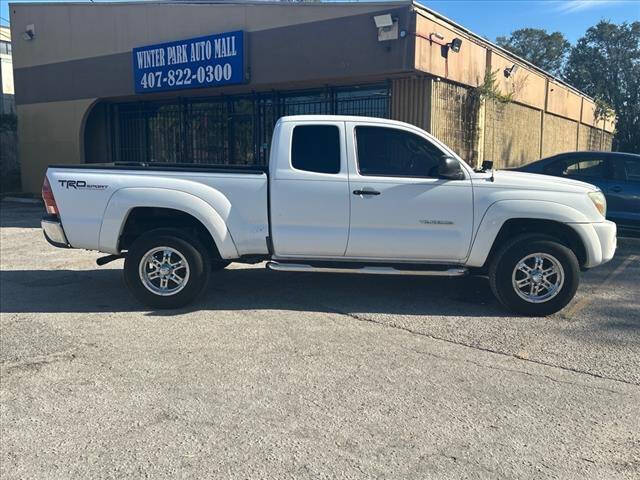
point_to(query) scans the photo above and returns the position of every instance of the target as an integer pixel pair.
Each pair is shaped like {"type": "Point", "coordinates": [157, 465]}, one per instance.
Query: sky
{"type": "Point", "coordinates": [491, 18]}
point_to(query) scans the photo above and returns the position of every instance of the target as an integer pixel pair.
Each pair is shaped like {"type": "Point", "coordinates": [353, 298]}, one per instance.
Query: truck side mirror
{"type": "Point", "coordinates": [449, 168]}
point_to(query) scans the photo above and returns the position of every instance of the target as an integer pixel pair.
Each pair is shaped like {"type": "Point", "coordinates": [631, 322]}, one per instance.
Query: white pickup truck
{"type": "Point", "coordinates": [341, 194]}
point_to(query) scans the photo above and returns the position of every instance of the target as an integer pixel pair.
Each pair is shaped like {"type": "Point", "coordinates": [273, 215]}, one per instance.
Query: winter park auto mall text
{"type": "Point", "coordinates": [198, 62]}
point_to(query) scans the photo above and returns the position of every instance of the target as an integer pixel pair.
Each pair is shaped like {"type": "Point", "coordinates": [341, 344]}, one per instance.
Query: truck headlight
{"type": "Point", "coordinates": [599, 201]}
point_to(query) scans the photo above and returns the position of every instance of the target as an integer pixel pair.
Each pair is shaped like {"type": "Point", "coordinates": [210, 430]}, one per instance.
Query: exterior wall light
{"type": "Point", "coordinates": [387, 27]}
{"type": "Point", "coordinates": [383, 21]}
{"type": "Point", "coordinates": [437, 38]}
{"type": "Point", "coordinates": [29, 32]}
{"type": "Point", "coordinates": [510, 70]}
{"type": "Point", "coordinates": [456, 43]}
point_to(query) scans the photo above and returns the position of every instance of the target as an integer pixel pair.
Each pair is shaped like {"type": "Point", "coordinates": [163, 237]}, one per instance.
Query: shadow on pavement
{"type": "Point", "coordinates": [255, 289]}
{"type": "Point", "coordinates": [14, 214]}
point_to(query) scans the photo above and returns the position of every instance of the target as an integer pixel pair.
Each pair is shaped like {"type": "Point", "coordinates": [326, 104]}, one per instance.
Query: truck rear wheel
{"type": "Point", "coordinates": [166, 271]}
{"type": "Point", "coordinates": [534, 275]}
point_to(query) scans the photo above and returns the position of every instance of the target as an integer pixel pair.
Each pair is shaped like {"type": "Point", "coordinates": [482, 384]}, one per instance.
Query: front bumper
{"type": "Point", "coordinates": [607, 232]}
{"type": "Point", "coordinates": [600, 241]}
{"type": "Point", "coordinates": [53, 231]}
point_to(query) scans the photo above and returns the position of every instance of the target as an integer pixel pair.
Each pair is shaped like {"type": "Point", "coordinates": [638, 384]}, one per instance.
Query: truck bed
{"type": "Point", "coordinates": [96, 199]}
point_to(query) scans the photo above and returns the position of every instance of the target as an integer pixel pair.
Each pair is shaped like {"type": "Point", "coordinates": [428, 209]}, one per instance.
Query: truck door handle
{"type": "Point", "coordinates": [365, 192]}
{"type": "Point", "coordinates": [616, 189]}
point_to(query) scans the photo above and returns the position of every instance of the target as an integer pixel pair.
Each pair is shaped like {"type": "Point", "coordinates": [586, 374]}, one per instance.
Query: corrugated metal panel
{"type": "Point", "coordinates": [453, 119]}
{"type": "Point", "coordinates": [411, 102]}
{"type": "Point", "coordinates": [558, 135]}
{"type": "Point", "coordinates": [591, 138]}
{"type": "Point", "coordinates": [512, 134]}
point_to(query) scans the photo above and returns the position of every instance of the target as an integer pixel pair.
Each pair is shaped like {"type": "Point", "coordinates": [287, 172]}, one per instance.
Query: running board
{"type": "Point", "coordinates": [299, 267]}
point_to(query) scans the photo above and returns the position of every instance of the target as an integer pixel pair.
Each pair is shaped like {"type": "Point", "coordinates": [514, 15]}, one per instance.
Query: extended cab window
{"type": "Point", "coordinates": [396, 153]}
{"type": "Point", "coordinates": [316, 148]}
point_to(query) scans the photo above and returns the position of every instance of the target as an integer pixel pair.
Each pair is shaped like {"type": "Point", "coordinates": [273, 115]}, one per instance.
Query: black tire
{"type": "Point", "coordinates": [192, 252]}
{"type": "Point", "coordinates": [501, 274]}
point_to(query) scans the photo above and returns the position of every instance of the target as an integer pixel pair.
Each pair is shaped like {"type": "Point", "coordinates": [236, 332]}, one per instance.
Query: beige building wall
{"type": "Point", "coordinates": [59, 139]}
{"type": "Point", "coordinates": [592, 138]}
{"type": "Point", "coordinates": [512, 134]}
{"type": "Point", "coordinates": [588, 113]}
{"type": "Point", "coordinates": [563, 102]}
{"type": "Point", "coordinates": [466, 67]}
{"type": "Point", "coordinates": [559, 135]}
{"type": "Point", "coordinates": [525, 85]}
{"type": "Point", "coordinates": [106, 29]}
{"type": "Point", "coordinates": [589, 138]}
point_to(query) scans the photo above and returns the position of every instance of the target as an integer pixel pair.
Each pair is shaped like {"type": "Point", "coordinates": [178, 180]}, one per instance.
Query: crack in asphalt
{"type": "Point", "coordinates": [36, 363]}
{"type": "Point", "coordinates": [536, 375]}
{"type": "Point", "coordinates": [485, 349]}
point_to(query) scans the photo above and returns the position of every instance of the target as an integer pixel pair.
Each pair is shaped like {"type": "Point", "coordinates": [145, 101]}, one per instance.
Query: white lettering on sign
{"type": "Point", "coordinates": [197, 62]}
{"type": "Point", "coordinates": [151, 58]}
{"type": "Point", "coordinates": [177, 54]}
{"type": "Point", "coordinates": [201, 51]}
{"type": "Point", "coordinates": [225, 47]}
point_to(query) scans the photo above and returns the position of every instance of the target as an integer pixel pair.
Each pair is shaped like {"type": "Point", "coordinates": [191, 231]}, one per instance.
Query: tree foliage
{"type": "Point", "coordinates": [545, 50]}
{"type": "Point", "coordinates": [605, 64]}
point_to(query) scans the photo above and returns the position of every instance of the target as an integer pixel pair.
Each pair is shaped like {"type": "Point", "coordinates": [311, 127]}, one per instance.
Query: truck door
{"type": "Point", "coordinates": [400, 209]}
{"type": "Point", "coordinates": [309, 190]}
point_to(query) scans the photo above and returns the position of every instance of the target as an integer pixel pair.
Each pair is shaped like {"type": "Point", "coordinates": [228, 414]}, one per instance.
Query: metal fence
{"type": "Point", "coordinates": [233, 130]}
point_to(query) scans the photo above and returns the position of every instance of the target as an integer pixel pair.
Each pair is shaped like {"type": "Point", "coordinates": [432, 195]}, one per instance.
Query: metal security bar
{"type": "Point", "coordinates": [233, 130]}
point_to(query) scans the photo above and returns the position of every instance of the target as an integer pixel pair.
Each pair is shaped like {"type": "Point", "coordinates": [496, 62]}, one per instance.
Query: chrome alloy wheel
{"type": "Point", "coordinates": [164, 271]}
{"type": "Point", "coordinates": [538, 277]}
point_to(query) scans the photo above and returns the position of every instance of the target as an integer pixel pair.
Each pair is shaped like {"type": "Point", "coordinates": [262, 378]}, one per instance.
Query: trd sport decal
{"type": "Point", "coordinates": [80, 185]}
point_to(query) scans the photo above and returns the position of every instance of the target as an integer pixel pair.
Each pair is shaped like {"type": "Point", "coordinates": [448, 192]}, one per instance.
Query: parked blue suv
{"type": "Point", "coordinates": [616, 174]}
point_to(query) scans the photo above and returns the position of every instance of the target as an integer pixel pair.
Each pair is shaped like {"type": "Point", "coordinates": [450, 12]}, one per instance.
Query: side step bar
{"type": "Point", "coordinates": [299, 267]}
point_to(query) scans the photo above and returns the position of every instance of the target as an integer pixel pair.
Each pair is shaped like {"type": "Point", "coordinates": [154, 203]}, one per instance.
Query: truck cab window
{"type": "Point", "coordinates": [316, 148]}
{"type": "Point", "coordinates": [395, 153]}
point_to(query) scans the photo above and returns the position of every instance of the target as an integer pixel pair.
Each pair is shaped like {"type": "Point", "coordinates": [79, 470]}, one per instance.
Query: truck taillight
{"type": "Point", "coordinates": [49, 200]}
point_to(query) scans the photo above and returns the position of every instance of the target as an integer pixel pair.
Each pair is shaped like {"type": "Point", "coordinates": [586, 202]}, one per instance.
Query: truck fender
{"type": "Point", "coordinates": [126, 199]}
{"type": "Point", "coordinates": [499, 212]}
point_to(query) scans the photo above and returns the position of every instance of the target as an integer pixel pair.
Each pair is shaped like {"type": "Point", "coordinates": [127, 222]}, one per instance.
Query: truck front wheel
{"type": "Point", "coordinates": [534, 275]}
{"type": "Point", "coordinates": [166, 271]}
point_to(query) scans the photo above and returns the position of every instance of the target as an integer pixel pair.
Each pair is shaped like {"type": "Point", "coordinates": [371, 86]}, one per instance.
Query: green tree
{"type": "Point", "coordinates": [545, 50]}
{"type": "Point", "coordinates": [605, 64]}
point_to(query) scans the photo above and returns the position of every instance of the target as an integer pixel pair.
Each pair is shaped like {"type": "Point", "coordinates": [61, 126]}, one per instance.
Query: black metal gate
{"type": "Point", "coordinates": [232, 130]}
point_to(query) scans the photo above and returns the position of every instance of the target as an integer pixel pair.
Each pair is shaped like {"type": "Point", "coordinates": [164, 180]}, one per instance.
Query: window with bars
{"type": "Point", "coordinates": [234, 130]}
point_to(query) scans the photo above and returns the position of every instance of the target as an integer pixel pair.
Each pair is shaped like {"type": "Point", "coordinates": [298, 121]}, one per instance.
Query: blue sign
{"type": "Point", "coordinates": [207, 61]}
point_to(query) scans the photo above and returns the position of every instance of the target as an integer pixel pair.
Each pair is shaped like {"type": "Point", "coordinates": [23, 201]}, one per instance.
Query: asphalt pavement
{"type": "Point", "coordinates": [287, 375]}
